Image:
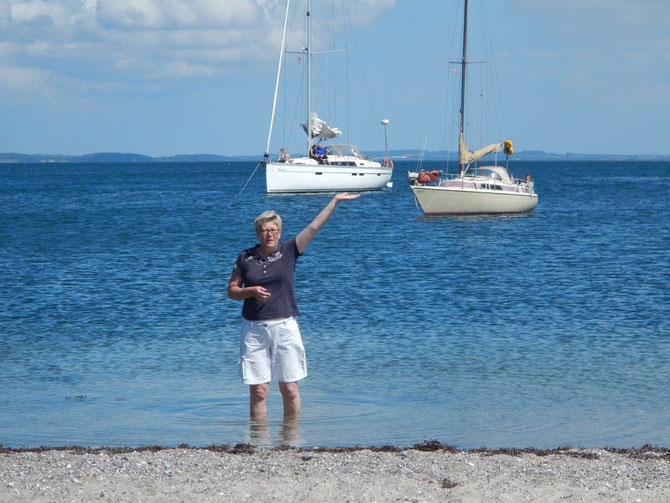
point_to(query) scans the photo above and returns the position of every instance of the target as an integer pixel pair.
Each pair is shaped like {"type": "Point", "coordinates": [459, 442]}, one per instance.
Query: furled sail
{"type": "Point", "coordinates": [466, 157]}
{"type": "Point", "coordinates": [321, 130]}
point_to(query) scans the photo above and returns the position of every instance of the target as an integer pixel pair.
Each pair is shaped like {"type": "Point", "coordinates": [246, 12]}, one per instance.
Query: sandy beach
{"type": "Point", "coordinates": [426, 472]}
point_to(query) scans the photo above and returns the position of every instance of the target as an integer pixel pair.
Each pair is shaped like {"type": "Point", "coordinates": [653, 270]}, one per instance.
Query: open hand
{"type": "Point", "coordinates": [344, 196]}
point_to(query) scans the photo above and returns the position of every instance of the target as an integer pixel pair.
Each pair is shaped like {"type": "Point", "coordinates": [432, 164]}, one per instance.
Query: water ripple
{"type": "Point", "coordinates": [537, 330]}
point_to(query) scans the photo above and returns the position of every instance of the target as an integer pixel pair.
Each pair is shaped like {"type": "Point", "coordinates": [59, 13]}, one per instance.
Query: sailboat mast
{"type": "Point", "coordinates": [463, 63]}
{"type": "Point", "coordinates": [309, 76]}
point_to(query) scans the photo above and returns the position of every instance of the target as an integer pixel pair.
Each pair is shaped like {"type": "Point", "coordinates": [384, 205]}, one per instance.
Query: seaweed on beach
{"type": "Point", "coordinates": [448, 484]}
{"type": "Point", "coordinates": [644, 452]}
{"type": "Point", "coordinates": [434, 445]}
{"type": "Point", "coordinates": [243, 449]}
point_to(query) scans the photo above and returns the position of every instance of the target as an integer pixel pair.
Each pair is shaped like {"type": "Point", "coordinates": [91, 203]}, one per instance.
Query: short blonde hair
{"type": "Point", "coordinates": [267, 216]}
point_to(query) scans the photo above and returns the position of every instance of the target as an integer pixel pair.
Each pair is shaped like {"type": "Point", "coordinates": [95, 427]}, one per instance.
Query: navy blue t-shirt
{"type": "Point", "coordinates": [275, 274]}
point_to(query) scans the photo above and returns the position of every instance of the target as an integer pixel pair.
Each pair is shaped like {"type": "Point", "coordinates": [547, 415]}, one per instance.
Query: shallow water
{"type": "Point", "coordinates": [539, 330]}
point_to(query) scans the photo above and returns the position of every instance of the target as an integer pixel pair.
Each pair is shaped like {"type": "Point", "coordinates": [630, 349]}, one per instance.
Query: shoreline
{"type": "Point", "coordinates": [429, 446]}
{"type": "Point", "coordinates": [430, 471]}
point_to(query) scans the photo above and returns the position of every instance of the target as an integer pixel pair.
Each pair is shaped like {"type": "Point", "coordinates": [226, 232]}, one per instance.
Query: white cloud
{"type": "Point", "coordinates": [37, 13]}
{"type": "Point", "coordinates": [22, 83]}
{"type": "Point", "coordinates": [613, 19]}
{"type": "Point", "coordinates": [605, 48]}
{"type": "Point", "coordinates": [181, 14]}
{"type": "Point", "coordinates": [144, 39]}
{"type": "Point", "coordinates": [182, 69]}
{"type": "Point", "coordinates": [364, 12]}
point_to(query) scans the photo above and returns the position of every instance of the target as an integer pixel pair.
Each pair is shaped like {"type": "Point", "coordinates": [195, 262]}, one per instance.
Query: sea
{"type": "Point", "coordinates": [540, 330]}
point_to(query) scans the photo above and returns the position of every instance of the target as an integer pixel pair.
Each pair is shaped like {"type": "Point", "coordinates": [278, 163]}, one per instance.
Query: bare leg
{"type": "Point", "coordinates": [258, 394]}
{"type": "Point", "coordinates": [291, 397]}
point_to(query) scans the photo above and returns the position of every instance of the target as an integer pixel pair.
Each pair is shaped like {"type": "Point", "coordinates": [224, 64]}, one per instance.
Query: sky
{"type": "Point", "coordinates": [167, 77]}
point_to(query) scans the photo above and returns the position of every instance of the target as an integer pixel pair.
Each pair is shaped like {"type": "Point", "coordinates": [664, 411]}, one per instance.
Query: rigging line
{"type": "Point", "coordinates": [347, 100]}
{"type": "Point", "coordinates": [283, 136]}
{"type": "Point", "coordinates": [416, 204]}
{"type": "Point", "coordinates": [482, 115]}
{"type": "Point", "coordinates": [495, 82]}
{"type": "Point", "coordinates": [485, 104]}
{"type": "Point", "coordinates": [320, 74]}
{"type": "Point", "coordinates": [422, 154]}
{"type": "Point", "coordinates": [327, 97]}
{"type": "Point", "coordinates": [302, 71]}
{"type": "Point", "coordinates": [333, 70]}
{"type": "Point", "coordinates": [298, 101]}
{"type": "Point", "coordinates": [453, 92]}
{"type": "Point", "coordinates": [365, 79]}
{"type": "Point", "coordinates": [497, 88]}
{"type": "Point", "coordinates": [291, 30]}
{"type": "Point", "coordinates": [450, 119]}
{"type": "Point", "coordinates": [281, 59]}
{"type": "Point", "coordinates": [347, 94]}
{"type": "Point", "coordinates": [252, 175]}
{"type": "Point", "coordinates": [438, 83]}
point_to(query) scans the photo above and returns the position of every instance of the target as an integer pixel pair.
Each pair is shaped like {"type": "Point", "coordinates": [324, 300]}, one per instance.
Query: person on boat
{"type": "Point", "coordinates": [320, 154]}
{"type": "Point", "coordinates": [284, 156]}
{"type": "Point", "coordinates": [263, 277]}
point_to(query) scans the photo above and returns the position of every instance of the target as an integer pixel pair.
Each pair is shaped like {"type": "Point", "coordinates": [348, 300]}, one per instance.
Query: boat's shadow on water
{"type": "Point", "coordinates": [331, 193]}
{"type": "Point", "coordinates": [473, 218]}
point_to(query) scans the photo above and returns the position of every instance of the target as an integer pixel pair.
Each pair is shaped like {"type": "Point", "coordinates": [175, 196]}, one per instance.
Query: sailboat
{"type": "Point", "coordinates": [329, 168]}
{"type": "Point", "coordinates": [475, 189]}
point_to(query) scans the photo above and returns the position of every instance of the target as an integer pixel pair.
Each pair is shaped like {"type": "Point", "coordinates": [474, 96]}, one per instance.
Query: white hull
{"type": "Point", "coordinates": [436, 200]}
{"type": "Point", "coordinates": [476, 189]}
{"type": "Point", "coordinates": [295, 177]}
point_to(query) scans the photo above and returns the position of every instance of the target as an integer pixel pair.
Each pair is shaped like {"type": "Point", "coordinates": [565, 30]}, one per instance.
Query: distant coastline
{"type": "Point", "coordinates": [409, 155]}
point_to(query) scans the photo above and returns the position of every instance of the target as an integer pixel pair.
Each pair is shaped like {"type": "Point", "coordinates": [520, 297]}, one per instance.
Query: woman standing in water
{"type": "Point", "coordinates": [271, 346]}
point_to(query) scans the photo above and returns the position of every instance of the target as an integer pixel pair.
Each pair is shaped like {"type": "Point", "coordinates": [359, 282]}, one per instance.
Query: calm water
{"type": "Point", "coordinates": [540, 330]}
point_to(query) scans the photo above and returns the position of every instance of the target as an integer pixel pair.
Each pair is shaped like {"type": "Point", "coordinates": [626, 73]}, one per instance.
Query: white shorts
{"type": "Point", "coordinates": [271, 349]}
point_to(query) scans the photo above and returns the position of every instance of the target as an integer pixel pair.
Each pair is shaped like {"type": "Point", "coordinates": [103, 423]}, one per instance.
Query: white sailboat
{"type": "Point", "coordinates": [475, 189]}
{"type": "Point", "coordinates": [335, 168]}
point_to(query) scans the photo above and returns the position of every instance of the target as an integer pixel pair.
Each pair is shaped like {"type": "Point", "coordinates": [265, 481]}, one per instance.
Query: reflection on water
{"type": "Point", "coordinates": [261, 432]}
{"type": "Point", "coordinates": [290, 431]}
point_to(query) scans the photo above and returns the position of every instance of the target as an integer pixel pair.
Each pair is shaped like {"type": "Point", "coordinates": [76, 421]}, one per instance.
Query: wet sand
{"type": "Point", "coordinates": [426, 472]}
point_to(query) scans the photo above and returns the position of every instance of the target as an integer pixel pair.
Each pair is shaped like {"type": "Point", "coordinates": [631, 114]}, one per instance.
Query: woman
{"type": "Point", "coordinates": [263, 277]}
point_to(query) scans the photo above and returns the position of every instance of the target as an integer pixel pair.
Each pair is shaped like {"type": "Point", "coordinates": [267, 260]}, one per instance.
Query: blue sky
{"type": "Point", "coordinates": [164, 77]}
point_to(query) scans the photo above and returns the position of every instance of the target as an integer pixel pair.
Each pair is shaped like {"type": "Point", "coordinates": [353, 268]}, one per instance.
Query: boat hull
{"type": "Point", "coordinates": [289, 178]}
{"type": "Point", "coordinates": [435, 200]}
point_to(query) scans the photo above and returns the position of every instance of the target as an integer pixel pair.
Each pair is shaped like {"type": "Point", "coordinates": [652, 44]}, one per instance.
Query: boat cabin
{"type": "Point", "coordinates": [493, 172]}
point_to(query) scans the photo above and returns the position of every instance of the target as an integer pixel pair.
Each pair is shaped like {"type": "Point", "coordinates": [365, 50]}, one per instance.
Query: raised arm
{"type": "Point", "coordinates": [308, 233]}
